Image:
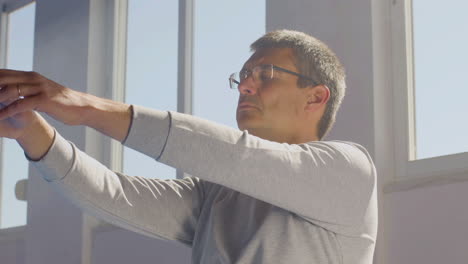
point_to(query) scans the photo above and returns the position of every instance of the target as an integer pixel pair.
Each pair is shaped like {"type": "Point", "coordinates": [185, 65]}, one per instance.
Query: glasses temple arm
{"type": "Point", "coordinates": [293, 73]}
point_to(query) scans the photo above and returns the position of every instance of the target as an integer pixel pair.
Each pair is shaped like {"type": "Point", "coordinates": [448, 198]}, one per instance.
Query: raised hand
{"type": "Point", "coordinates": [26, 91]}
{"type": "Point", "coordinates": [23, 92]}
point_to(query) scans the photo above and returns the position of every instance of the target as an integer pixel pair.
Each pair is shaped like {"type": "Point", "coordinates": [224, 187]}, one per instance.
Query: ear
{"type": "Point", "coordinates": [317, 96]}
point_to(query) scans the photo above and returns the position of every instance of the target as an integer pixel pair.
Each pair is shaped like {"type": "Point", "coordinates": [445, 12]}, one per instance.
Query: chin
{"type": "Point", "coordinates": [249, 119]}
{"type": "Point", "coordinates": [246, 123]}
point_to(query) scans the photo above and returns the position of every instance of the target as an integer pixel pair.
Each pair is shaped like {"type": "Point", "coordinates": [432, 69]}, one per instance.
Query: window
{"type": "Point", "coordinates": [440, 89]}
{"type": "Point", "coordinates": [152, 62]}
{"type": "Point", "coordinates": [220, 49]}
{"type": "Point", "coordinates": [14, 167]}
{"type": "Point", "coordinates": [429, 97]}
{"type": "Point", "coordinates": [151, 75]}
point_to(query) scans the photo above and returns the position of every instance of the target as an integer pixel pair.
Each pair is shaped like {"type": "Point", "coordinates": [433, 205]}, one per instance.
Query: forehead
{"type": "Point", "coordinates": [282, 57]}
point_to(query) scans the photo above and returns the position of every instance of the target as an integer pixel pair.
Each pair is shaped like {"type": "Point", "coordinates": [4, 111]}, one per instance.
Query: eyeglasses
{"type": "Point", "coordinates": [260, 74]}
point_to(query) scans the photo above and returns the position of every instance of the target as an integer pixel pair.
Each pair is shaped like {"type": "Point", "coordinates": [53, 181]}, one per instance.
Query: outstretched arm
{"type": "Point", "coordinates": [165, 209]}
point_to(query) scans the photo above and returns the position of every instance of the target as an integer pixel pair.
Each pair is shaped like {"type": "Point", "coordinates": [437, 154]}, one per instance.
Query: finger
{"type": "Point", "coordinates": [8, 77]}
{"type": "Point", "coordinates": [19, 106]}
{"type": "Point", "coordinates": [13, 92]}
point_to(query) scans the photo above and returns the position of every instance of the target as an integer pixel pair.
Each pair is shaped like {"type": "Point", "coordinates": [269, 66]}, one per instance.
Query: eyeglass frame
{"type": "Point", "coordinates": [274, 67]}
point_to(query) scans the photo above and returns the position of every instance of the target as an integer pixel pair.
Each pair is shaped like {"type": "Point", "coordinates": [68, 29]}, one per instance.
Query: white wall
{"type": "Point", "coordinates": [428, 225]}
{"type": "Point", "coordinates": [12, 249]}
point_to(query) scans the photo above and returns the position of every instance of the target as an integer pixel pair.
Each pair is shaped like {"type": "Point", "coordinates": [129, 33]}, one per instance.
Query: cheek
{"type": "Point", "coordinates": [298, 107]}
{"type": "Point", "coordinates": [281, 105]}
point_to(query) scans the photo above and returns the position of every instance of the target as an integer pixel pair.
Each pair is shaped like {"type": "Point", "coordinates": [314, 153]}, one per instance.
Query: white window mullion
{"type": "Point", "coordinates": [185, 56]}
{"type": "Point", "coordinates": [400, 84]}
{"type": "Point", "coordinates": [119, 71]}
{"type": "Point", "coordinates": [185, 61]}
{"type": "Point", "coordinates": [3, 37]}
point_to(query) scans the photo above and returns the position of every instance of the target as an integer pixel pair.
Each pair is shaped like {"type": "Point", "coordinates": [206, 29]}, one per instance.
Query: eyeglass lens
{"type": "Point", "coordinates": [259, 74]}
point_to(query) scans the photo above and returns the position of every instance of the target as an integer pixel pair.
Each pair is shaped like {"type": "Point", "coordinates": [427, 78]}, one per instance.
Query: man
{"type": "Point", "coordinates": [271, 192]}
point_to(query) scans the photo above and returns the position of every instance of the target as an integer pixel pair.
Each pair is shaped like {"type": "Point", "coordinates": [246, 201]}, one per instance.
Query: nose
{"type": "Point", "coordinates": [248, 86]}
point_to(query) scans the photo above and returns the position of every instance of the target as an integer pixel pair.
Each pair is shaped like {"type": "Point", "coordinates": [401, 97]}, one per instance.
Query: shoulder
{"type": "Point", "coordinates": [346, 148]}
{"type": "Point", "coordinates": [345, 154]}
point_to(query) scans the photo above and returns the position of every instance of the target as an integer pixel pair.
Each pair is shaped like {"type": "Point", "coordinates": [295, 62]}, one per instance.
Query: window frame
{"type": "Point", "coordinates": [410, 171]}
{"type": "Point", "coordinates": [184, 66]}
{"type": "Point", "coordinates": [8, 7]}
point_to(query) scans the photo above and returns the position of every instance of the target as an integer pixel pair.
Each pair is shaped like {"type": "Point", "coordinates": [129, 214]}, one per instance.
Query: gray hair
{"type": "Point", "coordinates": [313, 59]}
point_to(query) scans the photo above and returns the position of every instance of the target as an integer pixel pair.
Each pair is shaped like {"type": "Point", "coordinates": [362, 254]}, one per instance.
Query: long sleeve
{"type": "Point", "coordinates": [164, 209]}
{"type": "Point", "coordinates": [322, 181]}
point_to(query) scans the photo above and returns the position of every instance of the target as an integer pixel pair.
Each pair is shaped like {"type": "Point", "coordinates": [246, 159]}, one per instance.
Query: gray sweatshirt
{"type": "Point", "coordinates": [250, 200]}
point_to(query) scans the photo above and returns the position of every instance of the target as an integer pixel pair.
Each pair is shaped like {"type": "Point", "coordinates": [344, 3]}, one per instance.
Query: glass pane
{"type": "Point", "coordinates": [151, 78]}
{"type": "Point", "coordinates": [223, 34]}
{"type": "Point", "coordinates": [441, 92]}
{"type": "Point", "coordinates": [14, 165]}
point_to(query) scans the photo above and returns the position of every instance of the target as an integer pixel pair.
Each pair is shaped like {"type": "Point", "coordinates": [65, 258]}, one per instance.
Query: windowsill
{"type": "Point", "coordinates": [423, 182]}
{"type": "Point", "coordinates": [428, 172]}
{"type": "Point", "coordinates": [12, 233]}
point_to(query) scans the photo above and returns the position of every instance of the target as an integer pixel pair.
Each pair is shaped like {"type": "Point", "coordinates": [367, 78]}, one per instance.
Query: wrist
{"type": "Point", "coordinates": [108, 117]}
{"type": "Point", "coordinates": [37, 138]}
{"type": "Point", "coordinates": [90, 106]}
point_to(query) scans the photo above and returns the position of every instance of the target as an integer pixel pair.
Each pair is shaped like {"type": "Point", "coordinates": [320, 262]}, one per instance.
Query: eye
{"type": "Point", "coordinates": [265, 75]}
{"type": "Point", "coordinates": [244, 74]}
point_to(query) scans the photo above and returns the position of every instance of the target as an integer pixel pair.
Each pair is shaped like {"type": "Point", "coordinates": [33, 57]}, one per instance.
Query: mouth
{"type": "Point", "coordinates": [246, 106]}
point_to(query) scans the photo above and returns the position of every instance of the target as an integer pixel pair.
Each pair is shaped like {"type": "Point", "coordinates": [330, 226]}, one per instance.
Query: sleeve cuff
{"type": "Point", "coordinates": [58, 161]}
{"type": "Point", "coordinates": [34, 160]}
{"type": "Point", "coordinates": [131, 124]}
{"type": "Point", "coordinates": [149, 131]}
